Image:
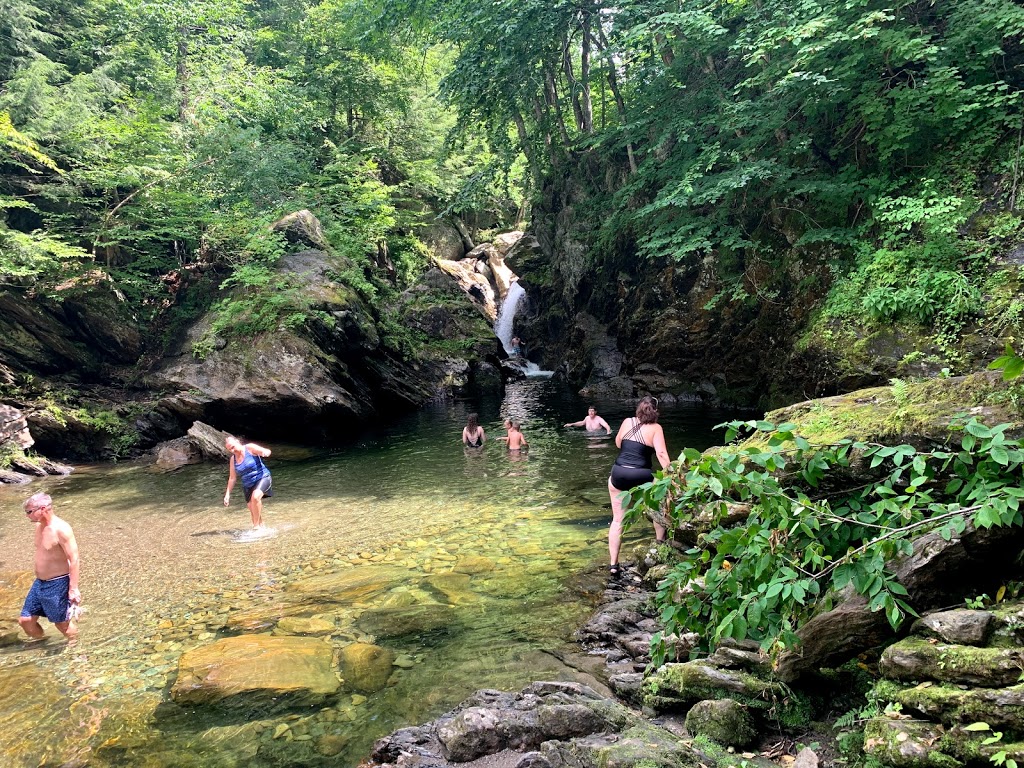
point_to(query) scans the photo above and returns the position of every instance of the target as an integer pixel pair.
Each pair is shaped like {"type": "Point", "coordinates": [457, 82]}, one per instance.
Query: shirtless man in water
{"type": "Point", "coordinates": [592, 423]}
{"type": "Point", "coordinates": [54, 594]}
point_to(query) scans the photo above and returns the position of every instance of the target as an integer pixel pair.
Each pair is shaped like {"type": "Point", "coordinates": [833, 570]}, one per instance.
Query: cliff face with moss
{"type": "Point", "coordinates": [94, 380]}
{"type": "Point", "coordinates": [775, 325]}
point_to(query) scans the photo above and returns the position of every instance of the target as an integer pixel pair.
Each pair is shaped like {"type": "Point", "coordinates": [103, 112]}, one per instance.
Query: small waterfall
{"type": "Point", "coordinates": [504, 331]}
{"type": "Point", "coordinates": [503, 325]}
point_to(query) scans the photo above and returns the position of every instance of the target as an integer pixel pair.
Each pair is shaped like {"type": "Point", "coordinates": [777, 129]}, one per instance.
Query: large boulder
{"type": "Point", "coordinates": [236, 671]}
{"type": "Point", "coordinates": [321, 375]}
{"type": "Point", "coordinates": [14, 428]}
{"type": "Point", "coordinates": [304, 228]}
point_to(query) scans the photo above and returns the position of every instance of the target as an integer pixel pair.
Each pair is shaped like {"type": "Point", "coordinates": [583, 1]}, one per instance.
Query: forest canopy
{"type": "Point", "coordinates": [138, 137]}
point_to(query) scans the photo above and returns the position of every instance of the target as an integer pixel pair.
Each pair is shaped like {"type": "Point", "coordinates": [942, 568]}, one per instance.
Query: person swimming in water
{"type": "Point", "coordinates": [592, 423]}
{"type": "Point", "coordinates": [246, 462]}
{"type": "Point", "coordinates": [473, 435]}
{"type": "Point", "coordinates": [639, 438]}
{"type": "Point", "coordinates": [516, 439]}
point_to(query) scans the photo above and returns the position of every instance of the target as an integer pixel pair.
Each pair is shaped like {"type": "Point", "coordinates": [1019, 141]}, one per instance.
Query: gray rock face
{"type": "Point", "coordinates": [302, 227]}
{"type": "Point", "coordinates": [328, 373]}
{"type": "Point", "coordinates": [961, 627]}
{"type": "Point", "coordinates": [14, 428]}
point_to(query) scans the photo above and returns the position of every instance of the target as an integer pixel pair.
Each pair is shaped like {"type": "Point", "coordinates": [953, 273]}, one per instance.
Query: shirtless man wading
{"type": "Point", "coordinates": [54, 594]}
{"type": "Point", "coordinates": [592, 423]}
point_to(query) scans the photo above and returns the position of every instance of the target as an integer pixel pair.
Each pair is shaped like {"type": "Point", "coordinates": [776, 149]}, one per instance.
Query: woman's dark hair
{"type": "Point", "coordinates": [471, 421]}
{"type": "Point", "coordinates": [646, 410]}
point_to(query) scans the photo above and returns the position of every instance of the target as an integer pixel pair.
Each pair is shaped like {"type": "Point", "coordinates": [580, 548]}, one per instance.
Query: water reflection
{"type": "Point", "coordinates": [464, 567]}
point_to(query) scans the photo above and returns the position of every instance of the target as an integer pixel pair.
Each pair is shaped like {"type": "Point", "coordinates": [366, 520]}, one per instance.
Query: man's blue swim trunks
{"type": "Point", "coordinates": [49, 598]}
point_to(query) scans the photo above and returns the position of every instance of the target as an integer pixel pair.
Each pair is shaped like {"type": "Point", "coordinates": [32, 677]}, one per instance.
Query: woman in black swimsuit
{"type": "Point", "coordinates": [639, 439]}
{"type": "Point", "coordinates": [473, 434]}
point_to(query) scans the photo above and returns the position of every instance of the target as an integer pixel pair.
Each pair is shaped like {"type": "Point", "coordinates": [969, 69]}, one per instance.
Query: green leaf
{"type": "Point", "coordinates": [978, 726]}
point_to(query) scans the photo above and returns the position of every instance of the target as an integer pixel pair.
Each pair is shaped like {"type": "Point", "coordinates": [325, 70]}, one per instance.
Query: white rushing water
{"type": "Point", "coordinates": [503, 329]}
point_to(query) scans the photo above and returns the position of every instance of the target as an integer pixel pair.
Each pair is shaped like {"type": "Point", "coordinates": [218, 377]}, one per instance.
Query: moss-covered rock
{"type": "Point", "coordinates": [642, 746]}
{"type": "Point", "coordinates": [906, 744]}
{"type": "Point", "coordinates": [911, 410]}
{"type": "Point", "coordinates": [915, 658]}
{"type": "Point", "coordinates": [723, 720]}
{"type": "Point", "coordinates": [952, 705]}
{"type": "Point", "coordinates": [680, 686]}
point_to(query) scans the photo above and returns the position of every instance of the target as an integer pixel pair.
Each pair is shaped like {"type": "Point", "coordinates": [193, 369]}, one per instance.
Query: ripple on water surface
{"type": "Point", "coordinates": [457, 562]}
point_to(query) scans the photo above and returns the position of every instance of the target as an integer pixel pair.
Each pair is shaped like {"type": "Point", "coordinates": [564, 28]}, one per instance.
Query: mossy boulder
{"type": "Point", "coordinates": [906, 744]}
{"type": "Point", "coordinates": [910, 412]}
{"type": "Point", "coordinates": [723, 720]}
{"type": "Point", "coordinates": [642, 746]}
{"type": "Point", "coordinates": [915, 659]}
{"type": "Point", "coordinates": [952, 705]}
{"type": "Point", "coordinates": [680, 686]}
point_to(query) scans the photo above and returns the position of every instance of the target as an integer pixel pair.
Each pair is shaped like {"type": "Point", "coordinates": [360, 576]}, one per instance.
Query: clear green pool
{"type": "Point", "coordinates": [165, 568]}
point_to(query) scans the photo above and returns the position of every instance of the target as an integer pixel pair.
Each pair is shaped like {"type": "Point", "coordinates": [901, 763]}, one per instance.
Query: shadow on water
{"type": "Point", "coordinates": [470, 568]}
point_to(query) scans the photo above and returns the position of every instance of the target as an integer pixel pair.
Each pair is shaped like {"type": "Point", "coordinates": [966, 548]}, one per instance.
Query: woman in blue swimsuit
{"type": "Point", "coordinates": [246, 462]}
{"type": "Point", "coordinates": [639, 439]}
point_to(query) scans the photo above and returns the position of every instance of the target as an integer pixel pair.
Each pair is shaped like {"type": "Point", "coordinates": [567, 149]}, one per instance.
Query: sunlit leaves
{"type": "Point", "coordinates": [761, 579]}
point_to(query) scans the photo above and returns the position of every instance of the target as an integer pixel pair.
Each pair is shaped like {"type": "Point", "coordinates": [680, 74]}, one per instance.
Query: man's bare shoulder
{"type": "Point", "coordinates": [61, 527]}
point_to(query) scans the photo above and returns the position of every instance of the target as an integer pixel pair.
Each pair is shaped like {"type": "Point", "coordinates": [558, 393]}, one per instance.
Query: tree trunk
{"type": "Point", "coordinates": [554, 103]}
{"type": "Point", "coordinates": [524, 143]}
{"type": "Point", "coordinates": [586, 106]}
{"type": "Point", "coordinates": [571, 83]}
{"type": "Point", "coordinates": [613, 83]}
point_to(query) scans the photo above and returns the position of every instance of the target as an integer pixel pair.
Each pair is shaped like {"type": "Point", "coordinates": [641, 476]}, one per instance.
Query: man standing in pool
{"type": "Point", "coordinates": [246, 461]}
{"type": "Point", "coordinates": [54, 593]}
{"type": "Point", "coordinates": [592, 423]}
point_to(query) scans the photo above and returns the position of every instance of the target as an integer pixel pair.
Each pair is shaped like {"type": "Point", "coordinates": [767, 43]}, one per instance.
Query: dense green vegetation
{"type": "Point", "coordinates": [152, 140]}
{"type": "Point", "coordinates": [800, 546]}
{"type": "Point", "coordinates": [870, 147]}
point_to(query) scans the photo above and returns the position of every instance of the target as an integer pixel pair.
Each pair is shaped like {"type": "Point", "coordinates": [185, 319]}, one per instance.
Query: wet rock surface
{"type": "Point", "coordinates": [239, 670]}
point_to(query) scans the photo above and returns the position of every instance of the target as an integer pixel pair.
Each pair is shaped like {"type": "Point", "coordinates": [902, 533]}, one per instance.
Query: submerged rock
{"type": "Point", "coordinates": [366, 667]}
{"type": "Point", "coordinates": [238, 670]}
{"type": "Point", "coordinates": [400, 621]}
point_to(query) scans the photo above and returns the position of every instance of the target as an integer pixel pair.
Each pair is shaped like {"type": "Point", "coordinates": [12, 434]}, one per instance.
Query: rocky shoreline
{"type": "Point", "coordinates": [619, 719]}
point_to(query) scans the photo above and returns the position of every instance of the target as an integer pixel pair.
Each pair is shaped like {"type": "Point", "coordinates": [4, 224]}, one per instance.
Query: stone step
{"type": "Point", "coordinates": [917, 659]}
